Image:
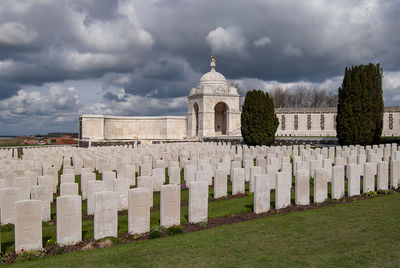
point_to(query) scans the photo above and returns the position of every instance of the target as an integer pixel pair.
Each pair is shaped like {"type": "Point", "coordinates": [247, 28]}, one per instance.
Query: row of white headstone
{"type": "Point", "coordinates": [28, 220]}
{"type": "Point", "coordinates": [273, 171]}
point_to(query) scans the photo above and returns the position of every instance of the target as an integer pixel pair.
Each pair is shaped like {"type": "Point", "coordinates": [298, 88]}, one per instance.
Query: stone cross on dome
{"type": "Point", "coordinates": [213, 63]}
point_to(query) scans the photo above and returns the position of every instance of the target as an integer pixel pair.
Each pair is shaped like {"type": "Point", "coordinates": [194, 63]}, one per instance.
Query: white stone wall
{"type": "Point", "coordinates": [391, 127]}
{"type": "Point", "coordinates": [92, 127]}
{"type": "Point", "coordinates": [130, 128]}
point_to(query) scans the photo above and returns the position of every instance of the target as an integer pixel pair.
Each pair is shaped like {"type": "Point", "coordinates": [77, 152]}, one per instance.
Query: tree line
{"type": "Point", "coordinates": [302, 96]}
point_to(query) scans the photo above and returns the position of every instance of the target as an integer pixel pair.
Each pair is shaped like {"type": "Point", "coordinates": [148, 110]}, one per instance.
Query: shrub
{"type": "Point", "coordinates": [155, 232]}
{"type": "Point", "coordinates": [29, 255]}
{"type": "Point", "coordinates": [174, 230]}
{"type": "Point", "coordinates": [7, 228]}
{"type": "Point", "coordinates": [360, 106]}
{"type": "Point", "coordinates": [50, 242]}
{"type": "Point", "coordinates": [258, 119]}
{"type": "Point", "coordinates": [203, 224]}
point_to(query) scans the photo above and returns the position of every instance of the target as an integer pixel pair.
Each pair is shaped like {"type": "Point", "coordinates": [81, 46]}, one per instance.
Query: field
{"type": "Point", "coordinates": [358, 234]}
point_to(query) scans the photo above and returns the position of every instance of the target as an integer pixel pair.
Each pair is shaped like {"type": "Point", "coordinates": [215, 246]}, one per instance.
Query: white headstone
{"type": "Point", "coordinates": [220, 183]}
{"type": "Point", "coordinates": [68, 189]}
{"type": "Point", "coordinates": [395, 173]}
{"type": "Point", "coordinates": [8, 197]}
{"type": "Point", "coordinates": [24, 186]}
{"type": "Point", "coordinates": [255, 170]}
{"type": "Point", "coordinates": [145, 169]}
{"type": "Point", "coordinates": [69, 220]}
{"type": "Point", "coordinates": [174, 175]}
{"type": "Point", "coordinates": [369, 177]}
{"type": "Point", "coordinates": [121, 186]}
{"type": "Point", "coordinates": [353, 177]}
{"type": "Point", "coordinates": [139, 211]}
{"type": "Point", "coordinates": [337, 182]}
{"type": "Point", "coordinates": [382, 181]}
{"type": "Point", "coordinates": [170, 205]}
{"type": "Point", "coordinates": [130, 174]}
{"type": "Point", "coordinates": [108, 178]}
{"type": "Point", "coordinates": [283, 190]}
{"type": "Point", "coordinates": [302, 187]}
{"type": "Point", "coordinates": [93, 187]}
{"type": "Point", "coordinates": [320, 185]}
{"type": "Point", "coordinates": [105, 214]}
{"type": "Point", "coordinates": [28, 225]}
{"type": "Point", "coordinates": [85, 178]}
{"type": "Point", "coordinates": [67, 178]}
{"type": "Point", "coordinates": [189, 172]}
{"type": "Point", "coordinates": [238, 181]}
{"type": "Point", "coordinates": [158, 175]}
{"type": "Point", "coordinates": [147, 182]}
{"type": "Point", "coordinates": [198, 201]}
{"type": "Point", "coordinates": [261, 193]}
{"type": "Point", "coordinates": [45, 195]}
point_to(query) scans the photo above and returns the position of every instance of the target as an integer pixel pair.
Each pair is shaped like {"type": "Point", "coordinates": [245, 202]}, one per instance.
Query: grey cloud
{"type": "Point", "coordinates": [157, 50]}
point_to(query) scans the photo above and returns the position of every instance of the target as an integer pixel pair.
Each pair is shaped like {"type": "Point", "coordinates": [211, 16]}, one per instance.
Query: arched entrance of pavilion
{"type": "Point", "coordinates": [221, 111]}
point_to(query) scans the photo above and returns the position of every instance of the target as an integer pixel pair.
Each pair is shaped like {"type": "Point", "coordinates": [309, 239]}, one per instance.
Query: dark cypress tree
{"type": "Point", "coordinates": [360, 106]}
{"type": "Point", "coordinates": [258, 119]}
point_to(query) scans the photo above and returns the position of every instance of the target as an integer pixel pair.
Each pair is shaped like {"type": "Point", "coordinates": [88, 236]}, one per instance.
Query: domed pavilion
{"type": "Point", "coordinates": [213, 107]}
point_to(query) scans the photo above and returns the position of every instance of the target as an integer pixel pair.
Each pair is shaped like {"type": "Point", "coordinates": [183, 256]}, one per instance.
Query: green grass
{"type": "Point", "coordinates": [358, 234]}
{"type": "Point", "coordinates": [216, 209]}
{"type": "Point", "coordinates": [219, 208]}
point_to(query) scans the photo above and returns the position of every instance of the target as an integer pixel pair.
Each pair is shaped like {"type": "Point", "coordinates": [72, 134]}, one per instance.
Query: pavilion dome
{"type": "Point", "coordinates": [212, 82]}
{"type": "Point", "coordinates": [213, 77]}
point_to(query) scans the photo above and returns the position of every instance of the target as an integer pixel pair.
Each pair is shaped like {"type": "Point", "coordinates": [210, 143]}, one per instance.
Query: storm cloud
{"type": "Point", "coordinates": [131, 57]}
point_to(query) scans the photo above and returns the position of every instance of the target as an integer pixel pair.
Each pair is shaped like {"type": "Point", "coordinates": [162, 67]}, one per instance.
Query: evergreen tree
{"type": "Point", "coordinates": [258, 119]}
{"type": "Point", "coordinates": [360, 106]}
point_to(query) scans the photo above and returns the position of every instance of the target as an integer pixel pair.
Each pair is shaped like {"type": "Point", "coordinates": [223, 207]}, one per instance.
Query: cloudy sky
{"type": "Point", "coordinates": [63, 58]}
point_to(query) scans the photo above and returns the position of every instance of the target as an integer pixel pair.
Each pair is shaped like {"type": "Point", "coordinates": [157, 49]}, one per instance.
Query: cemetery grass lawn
{"type": "Point", "coordinates": [357, 234]}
